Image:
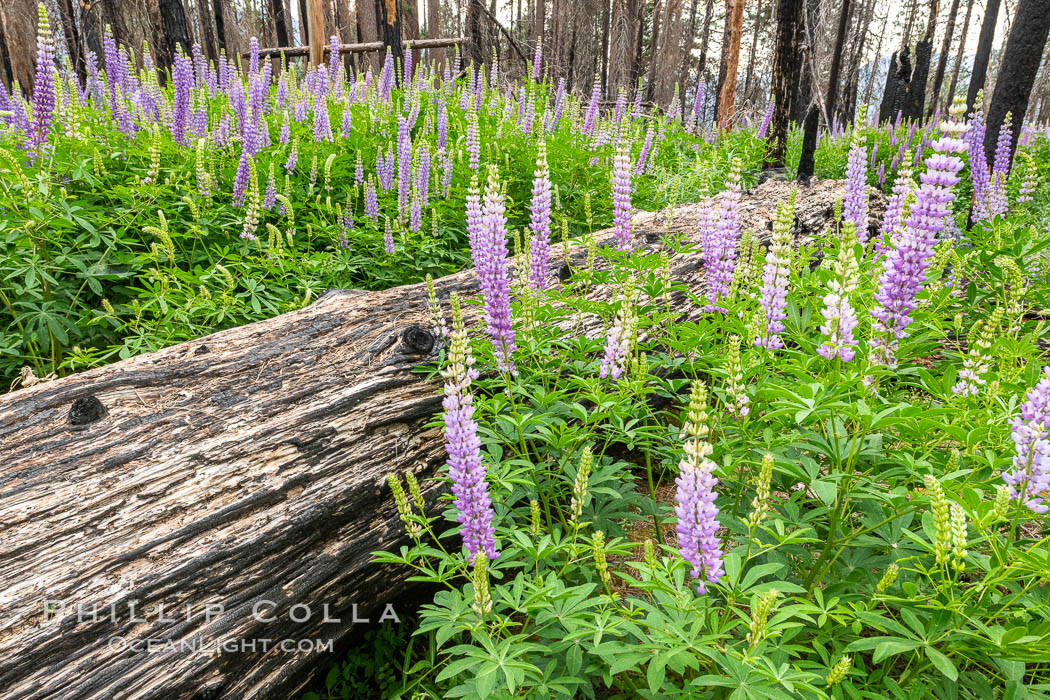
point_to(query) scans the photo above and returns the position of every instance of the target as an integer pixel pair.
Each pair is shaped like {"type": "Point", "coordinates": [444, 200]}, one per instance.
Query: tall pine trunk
{"type": "Point", "coordinates": [1021, 58]}
{"type": "Point", "coordinates": [786, 66]}
{"type": "Point", "coordinates": [434, 31]}
{"type": "Point", "coordinates": [730, 65]}
{"type": "Point", "coordinates": [367, 32]}
{"type": "Point", "coordinates": [984, 50]}
{"type": "Point", "coordinates": [705, 39]}
{"type": "Point", "coordinates": [916, 99]}
{"type": "Point", "coordinates": [942, 60]}
{"type": "Point", "coordinates": [279, 23]}
{"type": "Point", "coordinates": [220, 24]}
{"type": "Point", "coordinates": [750, 74]}
{"type": "Point", "coordinates": [959, 54]}
{"type": "Point", "coordinates": [835, 71]}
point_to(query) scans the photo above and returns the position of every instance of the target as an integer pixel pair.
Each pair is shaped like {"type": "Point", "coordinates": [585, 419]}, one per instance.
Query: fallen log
{"type": "Point", "coordinates": [365, 47]}
{"type": "Point", "coordinates": [243, 469]}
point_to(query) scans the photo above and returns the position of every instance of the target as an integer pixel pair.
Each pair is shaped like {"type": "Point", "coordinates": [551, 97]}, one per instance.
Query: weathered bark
{"type": "Point", "coordinates": [906, 41]}
{"type": "Point", "coordinates": [1021, 58]}
{"type": "Point", "coordinates": [367, 32]}
{"type": "Point", "coordinates": [69, 31]}
{"type": "Point", "coordinates": [279, 22]}
{"type": "Point", "coordinates": [803, 89]}
{"type": "Point", "coordinates": [19, 20]}
{"type": "Point", "coordinates": [220, 24]}
{"type": "Point", "coordinates": [621, 45]}
{"type": "Point", "coordinates": [246, 466]}
{"type": "Point", "coordinates": [878, 58]}
{"type": "Point", "coordinates": [408, 14]}
{"type": "Point", "coordinates": [942, 60]}
{"type": "Point", "coordinates": [434, 31]}
{"type": "Point", "coordinates": [836, 60]}
{"type": "Point", "coordinates": [787, 61]}
{"type": "Point", "coordinates": [668, 59]}
{"type": "Point", "coordinates": [176, 29]}
{"type": "Point", "coordinates": [730, 66]}
{"type": "Point", "coordinates": [984, 50]}
{"type": "Point", "coordinates": [901, 82]}
{"type": "Point", "coordinates": [5, 58]}
{"type": "Point", "coordinates": [689, 41]}
{"type": "Point", "coordinates": [705, 40]}
{"type": "Point", "coordinates": [889, 89]}
{"type": "Point", "coordinates": [959, 53]}
{"type": "Point", "coordinates": [750, 73]}
{"type": "Point", "coordinates": [916, 98]}
{"type": "Point", "coordinates": [207, 37]}
{"type": "Point", "coordinates": [477, 49]}
{"type": "Point", "coordinates": [807, 160]}
{"type": "Point", "coordinates": [650, 88]}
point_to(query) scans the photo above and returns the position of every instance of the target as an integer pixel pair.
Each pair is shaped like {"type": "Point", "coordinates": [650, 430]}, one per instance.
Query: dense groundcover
{"type": "Point", "coordinates": [827, 478]}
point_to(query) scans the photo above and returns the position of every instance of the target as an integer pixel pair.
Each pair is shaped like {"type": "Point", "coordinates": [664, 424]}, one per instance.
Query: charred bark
{"type": "Point", "coordinates": [786, 66]}
{"type": "Point", "coordinates": [959, 53]}
{"type": "Point", "coordinates": [984, 51]}
{"type": "Point", "coordinates": [243, 467]}
{"type": "Point", "coordinates": [1021, 58]}
{"type": "Point", "coordinates": [916, 98]}
{"type": "Point", "coordinates": [942, 60]}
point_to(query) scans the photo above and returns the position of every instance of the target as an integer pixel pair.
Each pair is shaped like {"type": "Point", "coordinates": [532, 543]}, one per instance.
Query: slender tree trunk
{"type": "Point", "coordinates": [650, 87]}
{"type": "Point", "coordinates": [984, 50]}
{"type": "Point", "coordinates": [687, 49]}
{"type": "Point", "coordinates": [942, 60]}
{"type": "Point", "coordinates": [279, 23]}
{"type": "Point", "coordinates": [705, 39]}
{"type": "Point", "coordinates": [786, 67]}
{"type": "Point", "coordinates": [69, 30]}
{"type": "Point", "coordinates": [807, 160]}
{"type": "Point", "coordinates": [434, 31]}
{"type": "Point", "coordinates": [220, 24]}
{"type": "Point", "coordinates": [836, 59]}
{"type": "Point", "coordinates": [367, 32]}
{"type": "Point", "coordinates": [877, 61]}
{"type": "Point", "coordinates": [621, 45]}
{"type": "Point", "coordinates": [730, 66]}
{"type": "Point", "coordinates": [409, 14]}
{"type": "Point", "coordinates": [639, 41]}
{"type": "Point", "coordinates": [751, 54]}
{"type": "Point", "coordinates": [390, 19]}
{"type": "Point", "coordinates": [6, 74]}
{"type": "Point", "coordinates": [803, 86]}
{"type": "Point", "coordinates": [475, 32]}
{"type": "Point", "coordinates": [910, 23]}
{"type": "Point", "coordinates": [959, 53]}
{"type": "Point", "coordinates": [606, 20]}
{"type": "Point", "coordinates": [1020, 64]}
{"type": "Point", "coordinates": [207, 36]}
{"type": "Point", "coordinates": [860, 45]}
{"type": "Point", "coordinates": [916, 99]}
{"type": "Point", "coordinates": [889, 89]}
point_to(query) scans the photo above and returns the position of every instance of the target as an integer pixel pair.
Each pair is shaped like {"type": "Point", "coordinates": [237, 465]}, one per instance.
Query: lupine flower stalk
{"type": "Point", "coordinates": [695, 496]}
{"type": "Point", "coordinates": [621, 335]}
{"type": "Point", "coordinates": [839, 316]}
{"type": "Point", "coordinates": [466, 469]}
{"type": "Point", "coordinates": [540, 218]}
{"type": "Point", "coordinates": [855, 206]}
{"type": "Point", "coordinates": [776, 274]}
{"type": "Point", "coordinates": [44, 85]}
{"type": "Point", "coordinates": [1030, 476]}
{"type": "Point", "coordinates": [493, 273]}
{"type": "Point", "coordinates": [721, 259]}
{"type": "Point", "coordinates": [621, 196]}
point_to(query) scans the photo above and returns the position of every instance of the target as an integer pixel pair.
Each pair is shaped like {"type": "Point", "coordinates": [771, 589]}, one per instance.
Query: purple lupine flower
{"type": "Point", "coordinates": [415, 217]}
{"type": "Point", "coordinates": [406, 78]}
{"type": "Point", "coordinates": [346, 230]}
{"type": "Point", "coordinates": [422, 174]}
{"type": "Point", "coordinates": [621, 196]}
{"type": "Point", "coordinates": [776, 273]}
{"type": "Point", "coordinates": [475, 223]}
{"type": "Point", "coordinates": [404, 164]}
{"type": "Point", "coordinates": [240, 178]}
{"type": "Point", "coordinates": [978, 164]}
{"type": "Point", "coordinates": [1030, 477]}
{"type": "Point", "coordinates": [44, 86]}
{"type": "Point", "coordinates": [333, 63]}
{"type": "Point", "coordinates": [540, 220]}
{"type": "Point", "coordinates": [286, 130]}
{"type": "Point", "coordinates": [473, 141]}
{"type": "Point", "coordinates": [763, 128]}
{"type": "Point", "coordinates": [442, 125]}
{"type": "Point", "coordinates": [270, 196]}
{"type": "Point", "coordinates": [855, 205]}
{"type": "Point", "coordinates": [904, 267]}
{"type": "Point", "coordinates": [494, 276]}
{"type": "Point", "coordinates": [386, 78]}
{"type": "Point", "coordinates": [253, 56]}
{"type": "Point", "coordinates": [643, 156]}
{"type": "Point", "coordinates": [293, 157]}
{"type": "Point", "coordinates": [1002, 162]}
{"type": "Point", "coordinates": [537, 60]}
{"type": "Point", "coordinates": [559, 106]}
{"type": "Point", "coordinates": [371, 200]}
{"type": "Point", "coordinates": [466, 469]}
{"type": "Point", "coordinates": [620, 336]}
{"type": "Point", "coordinates": [591, 119]}
{"type": "Point", "coordinates": [359, 170]}
{"type": "Point", "coordinates": [695, 507]}
{"type": "Point", "coordinates": [723, 246]}
{"type": "Point", "coordinates": [445, 160]}
{"type": "Point", "coordinates": [892, 218]}
{"type": "Point", "coordinates": [698, 102]}
{"type": "Point", "coordinates": [347, 125]}
{"type": "Point", "coordinates": [839, 317]}
{"type": "Point", "coordinates": [182, 79]}
{"type": "Point", "coordinates": [322, 125]}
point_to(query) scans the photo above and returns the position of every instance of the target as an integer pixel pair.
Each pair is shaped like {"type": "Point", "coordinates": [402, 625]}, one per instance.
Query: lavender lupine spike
{"type": "Point", "coordinates": [591, 120]}
{"type": "Point", "coordinates": [388, 237]}
{"type": "Point", "coordinates": [839, 317]}
{"type": "Point", "coordinates": [643, 156]}
{"type": "Point", "coordinates": [494, 276]}
{"type": "Point", "coordinates": [978, 163]}
{"type": "Point", "coordinates": [371, 200]}
{"type": "Point", "coordinates": [404, 164]}
{"type": "Point", "coordinates": [726, 240]}
{"type": "Point", "coordinates": [466, 468]}
{"type": "Point", "coordinates": [621, 335]}
{"type": "Point", "coordinates": [537, 60]}
{"type": "Point", "coordinates": [270, 196]}
{"type": "Point", "coordinates": [767, 118]}
{"type": "Point", "coordinates": [473, 141]}
{"type": "Point", "coordinates": [695, 496]}
{"type": "Point", "coordinates": [893, 217]}
{"type": "Point", "coordinates": [253, 55]}
{"type": "Point", "coordinates": [621, 196]}
{"type": "Point", "coordinates": [904, 267]}
{"type": "Point", "coordinates": [776, 276]}
{"type": "Point", "coordinates": [44, 87]}
{"type": "Point", "coordinates": [475, 224]}
{"type": "Point", "coordinates": [1030, 477]}
{"type": "Point", "coordinates": [540, 219]}
{"type": "Point", "coordinates": [855, 205]}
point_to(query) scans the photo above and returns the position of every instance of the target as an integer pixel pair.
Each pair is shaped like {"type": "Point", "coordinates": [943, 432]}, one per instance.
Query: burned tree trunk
{"type": "Point", "coordinates": [786, 65]}
{"type": "Point", "coordinates": [942, 60]}
{"type": "Point", "coordinates": [916, 99]}
{"type": "Point", "coordinates": [243, 470]}
{"type": "Point", "coordinates": [730, 65]}
{"type": "Point", "coordinates": [836, 61]}
{"type": "Point", "coordinates": [984, 51]}
{"type": "Point", "coordinates": [959, 53]}
{"type": "Point", "coordinates": [176, 29]}
{"type": "Point", "coordinates": [220, 25]}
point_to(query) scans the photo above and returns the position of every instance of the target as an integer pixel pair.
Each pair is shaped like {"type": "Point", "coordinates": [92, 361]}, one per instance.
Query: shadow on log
{"type": "Point", "coordinates": [245, 469]}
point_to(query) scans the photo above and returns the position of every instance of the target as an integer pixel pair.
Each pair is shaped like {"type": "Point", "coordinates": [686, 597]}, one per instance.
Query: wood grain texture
{"type": "Point", "coordinates": [244, 466]}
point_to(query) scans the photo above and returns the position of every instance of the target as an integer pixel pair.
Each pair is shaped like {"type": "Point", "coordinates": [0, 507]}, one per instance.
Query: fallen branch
{"type": "Point", "coordinates": [294, 51]}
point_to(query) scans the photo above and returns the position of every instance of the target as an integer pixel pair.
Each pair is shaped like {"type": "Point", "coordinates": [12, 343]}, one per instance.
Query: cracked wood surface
{"type": "Point", "coordinates": [244, 466]}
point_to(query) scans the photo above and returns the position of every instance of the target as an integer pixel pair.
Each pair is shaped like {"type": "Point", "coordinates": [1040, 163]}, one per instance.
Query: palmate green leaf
{"type": "Point", "coordinates": [891, 646]}
{"type": "Point", "coordinates": [942, 662]}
